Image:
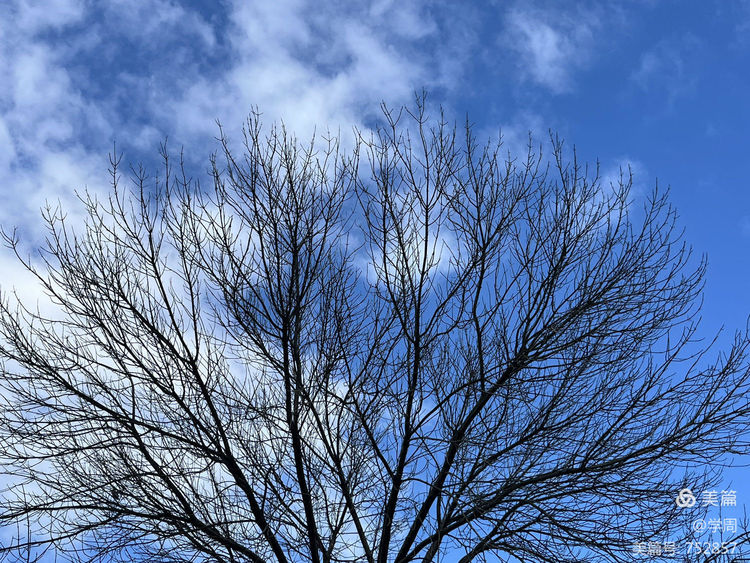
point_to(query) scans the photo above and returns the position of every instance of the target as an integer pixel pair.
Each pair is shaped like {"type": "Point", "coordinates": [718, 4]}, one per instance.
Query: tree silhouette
{"type": "Point", "coordinates": [414, 350]}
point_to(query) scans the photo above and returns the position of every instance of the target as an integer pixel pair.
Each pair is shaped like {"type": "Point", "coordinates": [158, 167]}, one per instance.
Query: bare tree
{"type": "Point", "coordinates": [416, 350]}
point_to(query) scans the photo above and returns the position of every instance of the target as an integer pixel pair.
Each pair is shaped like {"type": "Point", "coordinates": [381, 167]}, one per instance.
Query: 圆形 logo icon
{"type": "Point", "coordinates": [685, 498]}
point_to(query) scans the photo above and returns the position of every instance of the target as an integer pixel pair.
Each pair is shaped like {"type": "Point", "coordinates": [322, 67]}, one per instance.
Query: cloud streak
{"type": "Point", "coordinates": [552, 44]}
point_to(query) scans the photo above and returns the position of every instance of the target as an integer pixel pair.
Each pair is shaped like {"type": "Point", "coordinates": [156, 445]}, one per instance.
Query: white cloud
{"type": "Point", "coordinates": [149, 20]}
{"type": "Point", "coordinates": [552, 44]}
{"type": "Point", "coordinates": [313, 69]}
{"type": "Point", "coordinates": [54, 134]}
{"type": "Point", "coordinates": [36, 16]}
{"type": "Point", "coordinates": [7, 147]}
{"type": "Point", "coordinates": [43, 112]}
{"type": "Point", "coordinates": [76, 75]}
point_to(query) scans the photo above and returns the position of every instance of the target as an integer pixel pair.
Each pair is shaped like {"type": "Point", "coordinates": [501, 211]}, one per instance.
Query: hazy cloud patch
{"type": "Point", "coordinates": [552, 44]}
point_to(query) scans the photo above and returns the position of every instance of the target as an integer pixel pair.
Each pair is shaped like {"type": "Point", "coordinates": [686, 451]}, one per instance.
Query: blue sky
{"type": "Point", "coordinates": [657, 85]}
{"type": "Point", "coordinates": [661, 87]}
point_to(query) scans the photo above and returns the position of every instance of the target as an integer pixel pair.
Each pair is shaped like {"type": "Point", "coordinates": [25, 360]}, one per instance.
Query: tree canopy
{"type": "Point", "coordinates": [414, 348]}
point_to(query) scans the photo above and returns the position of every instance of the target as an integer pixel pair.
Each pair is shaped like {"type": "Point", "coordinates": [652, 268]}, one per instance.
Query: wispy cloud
{"type": "Point", "coordinates": [663, 68]}
{"type": "Point", "coordinates": [552, 43]}
{"type": "Point", "coordinates": [619, 169]}
{"type": "Point", "coordinates": [316, 66]}
{"type": "Point", "coordinates": [43, 113]}
{"type": "Point", "coordinates": [78, 75]}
